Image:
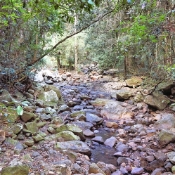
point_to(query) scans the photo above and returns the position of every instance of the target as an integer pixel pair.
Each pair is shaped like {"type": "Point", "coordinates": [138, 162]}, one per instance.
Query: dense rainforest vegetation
{"type": "Point", "coordinates": [135, 36]}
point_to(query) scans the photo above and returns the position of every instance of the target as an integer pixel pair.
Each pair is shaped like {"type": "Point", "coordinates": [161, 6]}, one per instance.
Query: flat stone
{"type": "Point", "coordinates": [110, 142]}
{"type": "Point", "coordinates": [88, 133]}
{"type": "Point", "coordinates": [98, 139]}
{"type": "Point", "coordinates": [94, 119]}
{"type": "Point", "coordinates": [76, 146]}
{"type": "Point", "coordinates": [136, 170]}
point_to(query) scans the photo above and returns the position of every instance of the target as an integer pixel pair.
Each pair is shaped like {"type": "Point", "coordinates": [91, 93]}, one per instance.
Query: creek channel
{"type": "Point", "coordinates": [78, 99]}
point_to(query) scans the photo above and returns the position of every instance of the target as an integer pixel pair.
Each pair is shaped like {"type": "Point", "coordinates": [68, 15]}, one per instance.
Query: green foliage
{"type": "Point", "coordinates": [26, 25]}
{"type": "Point", "coordinates": [19, 110]}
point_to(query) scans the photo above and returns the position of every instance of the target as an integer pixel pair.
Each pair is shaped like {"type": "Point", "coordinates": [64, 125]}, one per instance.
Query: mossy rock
{"type": "Point", "coordinates": [31, 127]}
{"type": "Point", "coordinates": [9, 114]}
{"type": "Point", "coordinates": [134, 81]}
{"type": "Point", "coordinates": [67, 136]}
{"type": "Point", "coordinates": [16, 170]}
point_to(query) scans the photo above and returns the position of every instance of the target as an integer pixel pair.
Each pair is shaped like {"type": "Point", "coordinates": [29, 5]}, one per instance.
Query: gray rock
{"type": "Point", "coordinates": [166, 122]}
{"type": "Point", "coordinates": [88, 133]}
{"type": "Point", "coordinates": [137, 170]}
{"type": "Point", "coordinates": [83, 125]}
{"type": "Point", "coordinates": [165, 137]}
{"type": "Point", "coordinates": [94, 119]}
{"type": "Point", "coordinates": [157, 100]}
{"type": "Point", "coordinates": [111, 141]}
{"type": "Point", "coordinates": [171, 156]}
{"type": "Point", "coordinates": [98, 139]}
{"type": "Point", "coordinates": [63, 108]}
{"type": "Point", "coordinates": [31, 127]}
{"type": "Point", "coordinates": [125, 93]}
{"type": "Point", "coordinates": [76, 146]}
{"type": "Point", "coordinates": [114, 110]}
{"type": "Point", "coordinates": [120, 147]}
{"type": "Point", "coordinates": [158, 171]}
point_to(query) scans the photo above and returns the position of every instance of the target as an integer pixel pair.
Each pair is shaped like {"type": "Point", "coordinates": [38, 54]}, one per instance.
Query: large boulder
{"type": "Point", "coordinates": [50, 96]}
{"type": "Point", "coordinates": [125, 93]}
{"type": "Point", "coordinates": [134, 82]}
{"type": "Point", "coordinates": [165, 137]}
{"type": "Point", "coordinates": [115, 110]}
{"type": "Point", "coordinates": [165, 87]}
{"type": "Point", "coordinates": [157, 100]}
{"type": "Point", "coordinates": [167, 121]}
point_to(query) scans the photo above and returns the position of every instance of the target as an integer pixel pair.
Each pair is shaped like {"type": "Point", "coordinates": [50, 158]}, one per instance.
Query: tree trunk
{"type": "Point", "coordinates": [76, 45]}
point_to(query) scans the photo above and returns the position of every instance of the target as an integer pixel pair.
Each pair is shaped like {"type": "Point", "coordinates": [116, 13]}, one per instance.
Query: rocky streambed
{"type": "Point", "coordinates": [88, 124]}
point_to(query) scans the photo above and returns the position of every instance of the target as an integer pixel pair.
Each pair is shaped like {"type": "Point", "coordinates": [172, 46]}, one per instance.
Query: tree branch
{"type": "Point", "coordinates": [69, 36]}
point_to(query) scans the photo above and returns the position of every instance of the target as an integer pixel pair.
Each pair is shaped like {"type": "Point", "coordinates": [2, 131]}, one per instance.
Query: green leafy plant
{"type": "Point", "coordinates": [19, 110]}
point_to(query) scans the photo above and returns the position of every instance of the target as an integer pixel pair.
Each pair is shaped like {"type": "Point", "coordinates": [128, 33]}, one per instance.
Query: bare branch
{"type": "Point", "coordinates": [69, 36]}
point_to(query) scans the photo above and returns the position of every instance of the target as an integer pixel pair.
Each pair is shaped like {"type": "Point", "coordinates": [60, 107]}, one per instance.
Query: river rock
{"type": "Point", "coordinates": [16, 170]}
{"type": "Point", "coordinates": [38, 138]}
{"type": "Point", "coordinates": [165, 86]}
{"type": "Point", "coordinates": [111, 141]}
{"type": "Point", "coordinates": [158, 171]}
{"type": "Point", "coordinates": [118, 172]}
{"type": "Point", "coordinates": [95, 169]}
{"type": "Point", "coordinates": [67, 136]}
{"type": "Point", "coordinates": [27, 116]}
{"type": "Point", "coordinates": [9, 113]}
{"type": "Point", "coordinates": [77, 113]}
{"type": "Point", "coordinates": [171, 156]}
{"type": "Point", "coordinates": [31, 127]}
{"type": "Point", "coordinates": [76, 146]}
{"type": "Point", "coordinates": [165, 137]}
{"type": "Point", "coordinates": [63, 108]}
{"type": "Point", "coordinates": [136, 170]}
{"type": "Point", "coordinates": [100, 102]}
{"type": "Point", "coordinates": [121, 147]}
{"type": "Point", "coordinates": [17, 128]}
{"type": "Point", "coordinates": [134, 82]}
{"type": "Point", "coordinates": [157, 100]}
{"type": "Point", "coordinates": [115, 110]}
{"type": "Point", "coordinates": [94, 119]}
{"type": "Point", "coordinates": [88, 133]}
{"type": "Point", "coordinates": [111, 124]}
{"type": "Point", "coordinates": [71, 127]}
{"type": "Point", "coordinates": [83, 125]}
{"type": "Point", "coordinates": [167, 121]}
{"type": "Point", "coordinates": [5, 96]}
{"type": "Point", "coordinates": [98, 139]}
{"type": "Point", "coordinates": [29, 142]}
{"type": "Point", "coordinates": [124, 93]}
